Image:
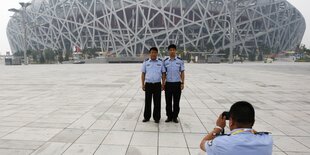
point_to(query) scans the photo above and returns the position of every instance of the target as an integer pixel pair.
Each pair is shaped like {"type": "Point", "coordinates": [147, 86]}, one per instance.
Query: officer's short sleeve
{"type": "Point", "coordinates": [182, 68]}
{"type": "Point", "coordinates": [163, 68]}
{"type": "Point", "coordinates": [210, 147]}
{"type": "Point", "coordinates": [216, 146]}
{"type": "Point", "coordinates": [143, 68]}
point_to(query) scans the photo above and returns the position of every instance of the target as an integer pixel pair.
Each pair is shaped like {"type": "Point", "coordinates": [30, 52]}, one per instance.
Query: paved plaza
{"type": "Point", "coordinates": [98, 109]}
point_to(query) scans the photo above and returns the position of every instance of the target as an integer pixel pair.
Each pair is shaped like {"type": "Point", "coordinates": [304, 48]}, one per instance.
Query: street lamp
{"type": "Point", "coordinates": [235, 6]}
{"type": "Point", "coordinates": [232, 30]}
{"type": "Point", "coordinates": [25, 5]}
{"type": "Point", "coordinates": [22, 12]}
{"type": "Point", "coordinates": [231, 23]}
{"type": "Point", "coordinates": [231, 39]}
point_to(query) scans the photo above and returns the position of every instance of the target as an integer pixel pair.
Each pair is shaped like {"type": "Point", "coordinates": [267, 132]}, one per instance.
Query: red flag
{"type": "Point", "coordinates": [77, 49]}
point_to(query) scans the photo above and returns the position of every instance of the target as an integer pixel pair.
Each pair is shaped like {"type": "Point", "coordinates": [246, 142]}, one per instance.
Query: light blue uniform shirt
{"type": "Point", "coordinates": [174, 67]}
{"type": "Point", "coordinates": [153, 70]}
{"type": "Point", "coordinates": [245, 143]}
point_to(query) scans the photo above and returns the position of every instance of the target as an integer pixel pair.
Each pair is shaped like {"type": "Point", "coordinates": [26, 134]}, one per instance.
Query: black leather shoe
{"type": "Point", "coordinates": [145, 120]}
{"type": "Point", "coordinates": [175, 120]}
{"type": "Point", "coordinates": [168, 120]}
{"type": "Point", "coordinates": [156, 121]}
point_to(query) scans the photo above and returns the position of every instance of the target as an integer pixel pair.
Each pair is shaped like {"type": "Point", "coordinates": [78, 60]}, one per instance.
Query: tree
{"type": "Point", "coordinates": [42, 60]}
{"type": "Point", "coordinates": [29, 52]}
{"type": "Point", "coordinates": [252, 56]}
{"type": "Point", "coordinates": [181, 53]}
{"type": "Point", "coordinates": [162, 52]}
{"type": "Point", "coordinates": [18, 54]}
{"type": "Point", "coordinates": [225, 53]}
{"type": "Point", "coordinates": [260, 57]}
{"type": "Point", "coordinates": [49, 55]}
{"type": "Point", "coordinates": [90, 52]}
{"type": "Point", "coordinates": [303, 49]}
{"type": "Point", "coordinates": [59, 54]}
{"type": "Point", "coordinates": [68, 55]}
{"type": "Point", "coordinates": [187, 56]}
{"type": "Point", "coordinates": [35, 56]}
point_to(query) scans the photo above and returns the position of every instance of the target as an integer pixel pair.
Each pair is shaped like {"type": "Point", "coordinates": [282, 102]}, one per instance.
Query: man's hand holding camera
{"type": "Point", "coordinates": [221, 122]}
{"type": "Point", "coordinates": [220, 125]}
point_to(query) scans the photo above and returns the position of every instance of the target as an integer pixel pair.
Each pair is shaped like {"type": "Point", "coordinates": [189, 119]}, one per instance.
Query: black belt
{"type": "Point", "coordinates": [153, 83]}
{"type": "Point", "coordinates": [174, 82]}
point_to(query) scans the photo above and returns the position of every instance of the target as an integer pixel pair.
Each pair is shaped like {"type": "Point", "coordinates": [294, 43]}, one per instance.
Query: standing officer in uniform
{"type": "Point", "coordinates": [242, 139]}
{"type": "Point", "coordinates": [153, 72]}
{"type": "Point", "coordinates": [174, 85]}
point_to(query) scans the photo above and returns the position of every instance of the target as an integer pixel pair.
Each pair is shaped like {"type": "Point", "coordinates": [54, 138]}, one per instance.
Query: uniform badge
{"type": "Point", "coordinates": [210, 142]}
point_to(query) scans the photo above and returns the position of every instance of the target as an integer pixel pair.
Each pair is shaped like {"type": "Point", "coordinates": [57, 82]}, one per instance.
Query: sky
{"type": "Point", "coordinates": [301, 5]}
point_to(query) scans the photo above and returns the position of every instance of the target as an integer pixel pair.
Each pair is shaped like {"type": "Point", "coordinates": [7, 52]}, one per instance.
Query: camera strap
{"type": "Point", "coordinates": [243, 131]}
{"type": "Point", "coordinates": [248, 131]}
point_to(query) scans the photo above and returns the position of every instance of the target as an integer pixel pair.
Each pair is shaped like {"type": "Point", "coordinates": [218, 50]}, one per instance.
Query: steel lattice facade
{"type": "Point", "coordinates": [129, 27]}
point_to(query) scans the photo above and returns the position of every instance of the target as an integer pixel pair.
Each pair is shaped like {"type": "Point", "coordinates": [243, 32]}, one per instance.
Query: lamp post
{"type": "Point", "coordinates": [22, 12]}
{"type": "Point", "coordinates": [232, 29]}
{"type": "Point", "coordinates": [234, 7]}
{"type": "Point", "coordinates": [231, 40]}
{"type": "Point", "coordinates": [231, 23]}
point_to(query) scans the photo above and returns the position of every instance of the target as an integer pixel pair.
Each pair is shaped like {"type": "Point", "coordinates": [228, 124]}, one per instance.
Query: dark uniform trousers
{"type": "Point", "coordinates": [173, 91]}
{"type": "Point", "coordinates": [152, 90]}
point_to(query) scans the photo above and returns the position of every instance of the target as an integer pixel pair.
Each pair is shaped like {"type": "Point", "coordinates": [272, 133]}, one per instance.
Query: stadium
{"type": "Point", "coordinates": [127, 28]}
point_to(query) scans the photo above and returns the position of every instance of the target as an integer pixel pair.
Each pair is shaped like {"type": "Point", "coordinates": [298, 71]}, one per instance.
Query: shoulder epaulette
{"type": "Point", "coordinates": [179, 58]}
{"type": "Point", "coordinates": [160, 59]}
{"type": "Point", "coordinates": [262, 133]}
{"type": "Point", "coordinates": [222, 135]}
{"type": "Point", "coordinates": [166, 59]}
{"type": "Point", "coordinates": [147, 59]}
{"type": "Point", "coordinates": [256, 133]}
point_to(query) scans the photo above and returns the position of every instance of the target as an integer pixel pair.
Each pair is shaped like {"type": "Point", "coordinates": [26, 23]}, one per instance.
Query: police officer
{"type": "Point", "coordinates": [174, 84]}
{"type": "Point", "coordinates": [153, 72]}
{"type": "Point", "coordinates": [242, 139]}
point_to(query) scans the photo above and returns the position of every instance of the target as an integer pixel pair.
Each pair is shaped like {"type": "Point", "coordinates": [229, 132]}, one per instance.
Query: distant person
{"type": "Point", "coordinates": [153, 72]}
{"type": "Point", "coordinates": [174, 84]}
{"type": "Point", "coordinates": [242, 140]}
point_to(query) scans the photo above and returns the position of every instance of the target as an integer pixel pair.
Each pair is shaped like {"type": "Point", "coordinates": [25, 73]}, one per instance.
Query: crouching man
{"type": "Point", "coordinates": [242, 140]}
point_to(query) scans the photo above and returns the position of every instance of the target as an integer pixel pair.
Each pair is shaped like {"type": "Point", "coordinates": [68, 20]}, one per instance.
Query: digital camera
{"type": "Point", "coordinates": [226, 114]}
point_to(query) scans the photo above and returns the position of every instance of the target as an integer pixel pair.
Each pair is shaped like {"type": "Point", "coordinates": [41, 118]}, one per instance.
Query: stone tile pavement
{"type": "Point", "coordinates": [98, 109]}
